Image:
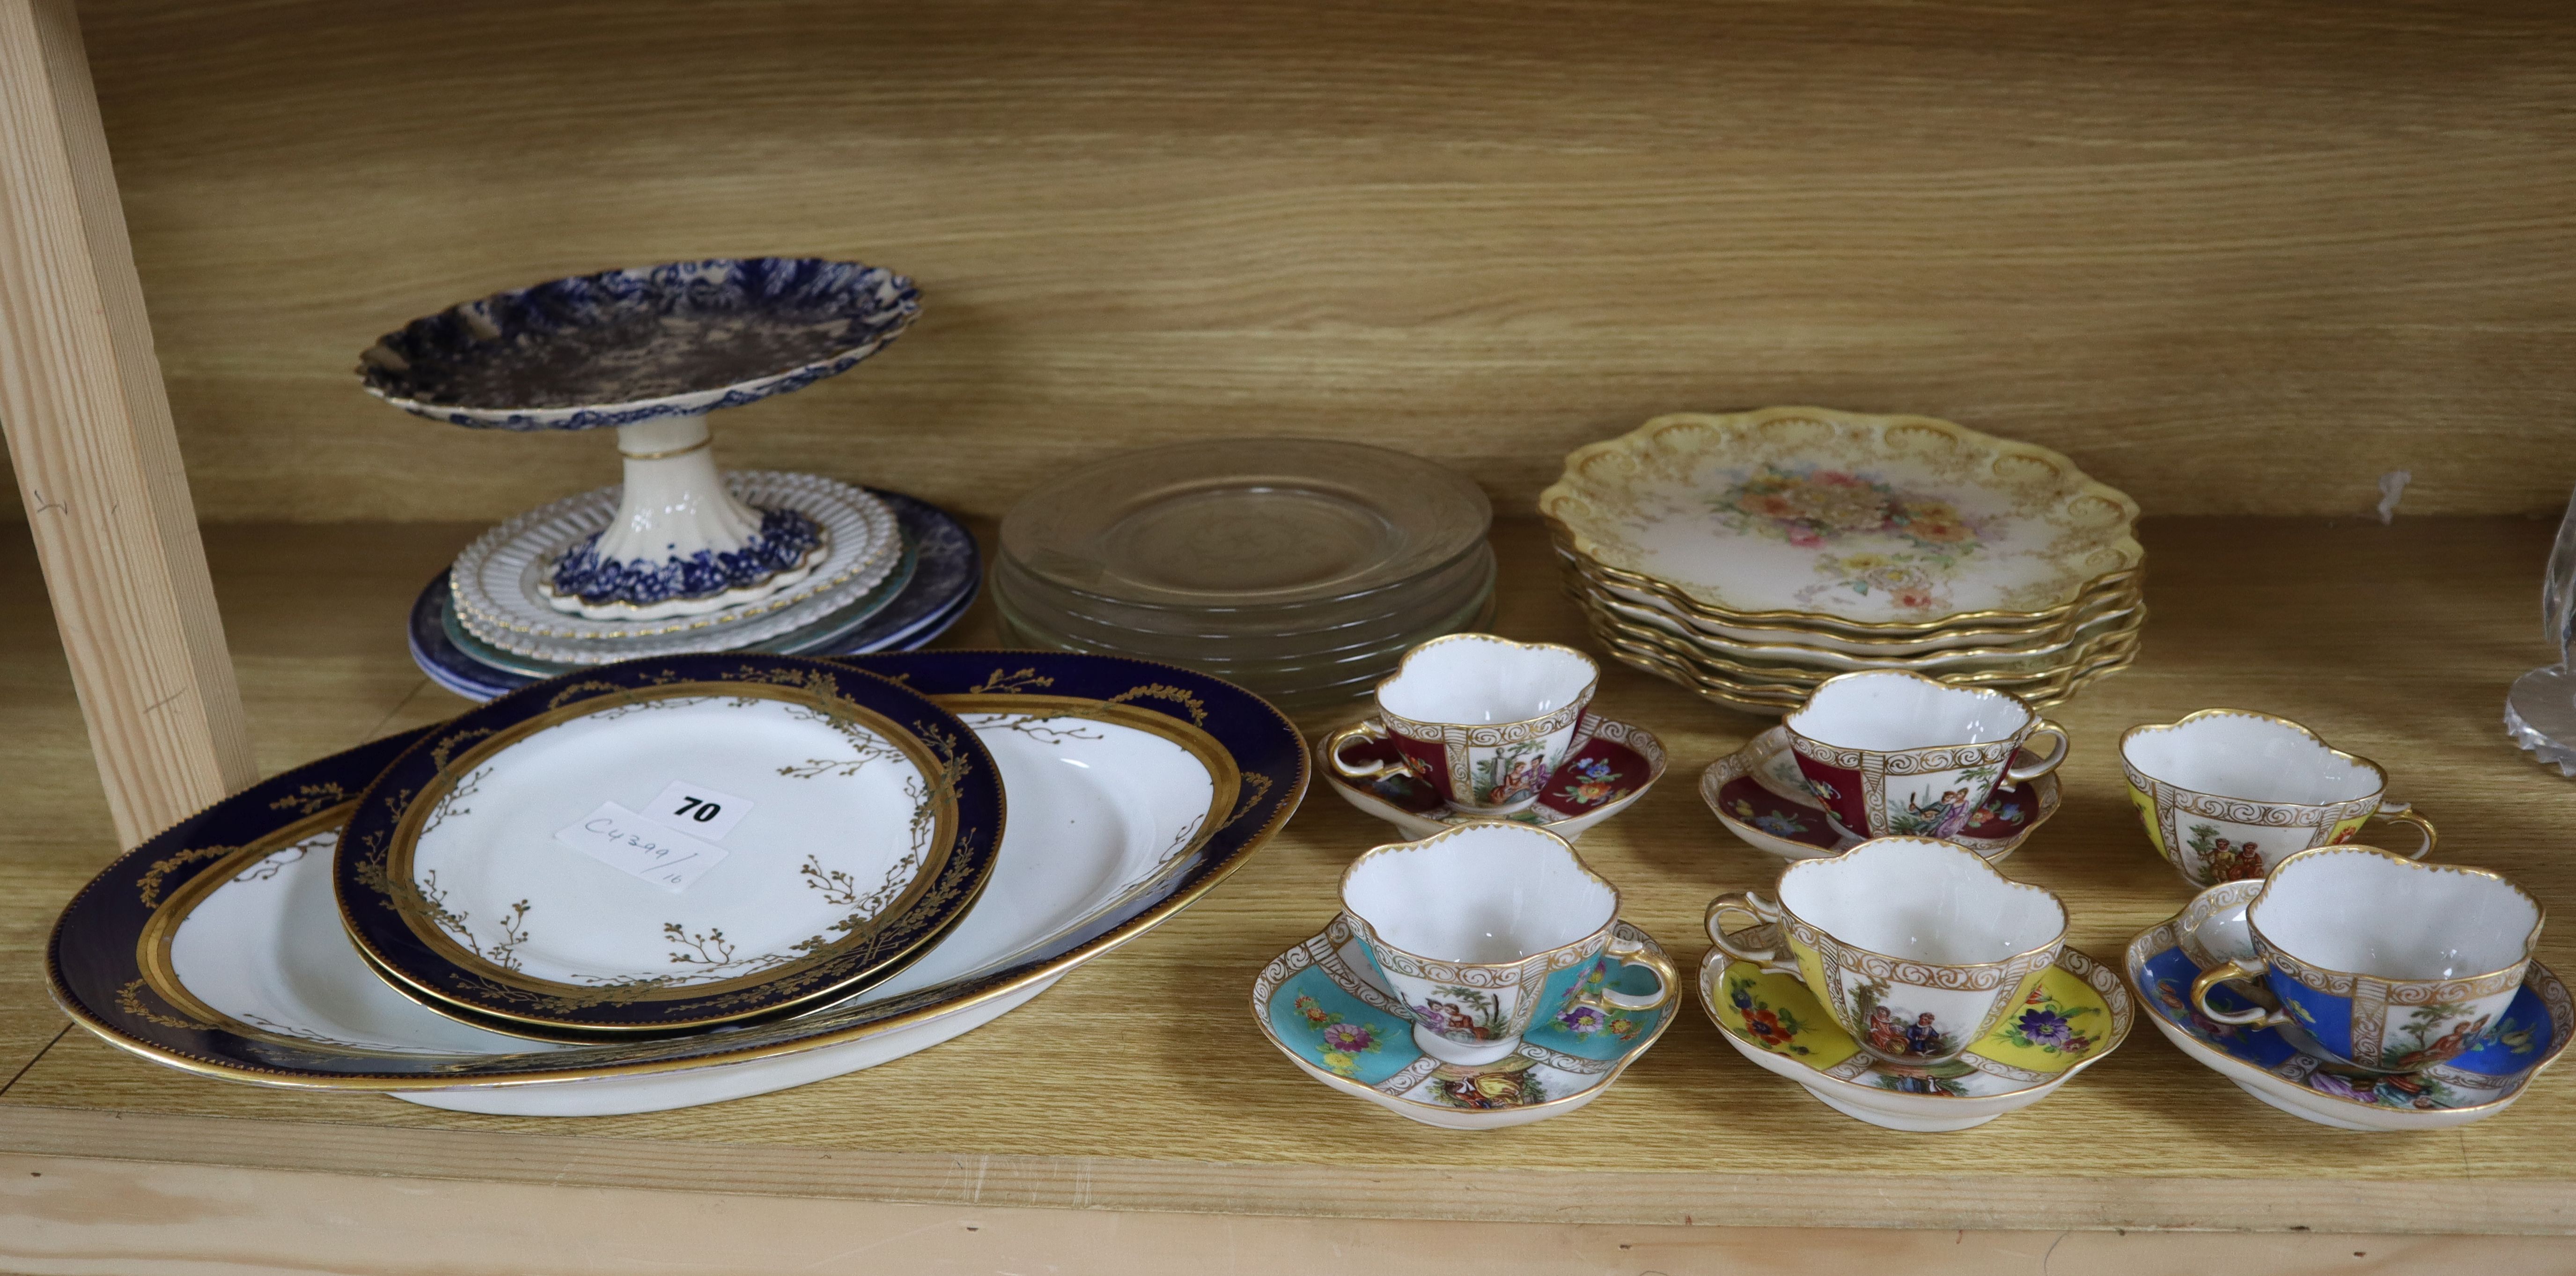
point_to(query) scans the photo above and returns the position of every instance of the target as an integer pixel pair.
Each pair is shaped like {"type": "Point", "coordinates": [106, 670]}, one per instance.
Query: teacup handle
{"type": "Point", "coordinates": [1635, 953]}
{"type": "Point", "coordinates": [2243, 968]}
{"type": "Point", "coordinates": [1365, 729]}
{"type": "Point", "coordinates": [2021, 774]}
{"type": "Point", "coordinates": [1760, 910]}
{"type": "Point", "coordinates": [2404, 813]}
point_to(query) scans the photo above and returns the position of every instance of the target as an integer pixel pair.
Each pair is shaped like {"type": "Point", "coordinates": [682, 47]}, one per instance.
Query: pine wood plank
{"type": "Point", "coordinates": [62, 1214]}
{"type": "Point", "coordinates": [91, 442]}
{"type": "Point", "coordinates": [2235, 258]}
{"type": "Point", "coordinates": [2396, 641]}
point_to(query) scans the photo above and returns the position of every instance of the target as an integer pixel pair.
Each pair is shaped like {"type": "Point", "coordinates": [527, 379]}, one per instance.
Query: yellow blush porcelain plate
{"type": "Point", "coordinates": [1897, 521]}
{"type": "Point", "coordinates": [2080, 1013]}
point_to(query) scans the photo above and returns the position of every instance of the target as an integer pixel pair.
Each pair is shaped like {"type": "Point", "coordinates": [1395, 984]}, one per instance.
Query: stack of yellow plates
{"type": "Point", "coordinates": [1751, 556]}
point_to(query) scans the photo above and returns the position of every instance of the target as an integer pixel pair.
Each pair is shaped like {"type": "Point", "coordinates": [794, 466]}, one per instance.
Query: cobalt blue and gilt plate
{"type": "Point", "coordinates": [216, 947]}
{"type": "Point", "coordinates": [1324, 1006]}
{"type": "Point", "coordinates": [2279, 1067]}
{"type": "Point", "coordinates": [668, 844]}
{"type": "Point", "coordinates": [623, 346]}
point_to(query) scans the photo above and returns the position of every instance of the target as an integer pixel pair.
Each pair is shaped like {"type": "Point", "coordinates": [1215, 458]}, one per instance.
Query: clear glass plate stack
{"type": "Point", "coordinates": [1301, 569]}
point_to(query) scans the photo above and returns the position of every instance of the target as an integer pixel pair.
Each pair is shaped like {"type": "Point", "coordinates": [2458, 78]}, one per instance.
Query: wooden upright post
{"type": "Point", "coordinates": [90, 435]}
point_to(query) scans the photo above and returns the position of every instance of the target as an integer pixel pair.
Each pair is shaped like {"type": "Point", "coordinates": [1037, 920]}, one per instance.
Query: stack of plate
{"type": "Point", "coordinates": [1299, 568]}
{"type": "Point", "coordinates": [898, 573]}
{"type": "Point", "coordinates": [1750, 557]}
{"type": "Point", "coordinates": [671, 882]}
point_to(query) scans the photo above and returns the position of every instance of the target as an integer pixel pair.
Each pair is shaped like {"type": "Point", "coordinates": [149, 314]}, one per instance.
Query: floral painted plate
{"type": "Point", "coordinates": [1607, 767]}
{"type": "Point", "coordinates": [1323, 1004]}
{"type": "Point", "coordinates": [1758, 793]}
{"type": "Point", "coordinates": [216, 947]}
{"type": "Point", "coordinates": [2279, 1067]}
{"type": "Point", "coordinates": [1782, 661]}
{"type": "Point", "coordinates": [2079, 1014]}
{"type": "Point", "coordinates": [662, 845]}
{"type": "Point", "coordinates": [1877, 522]}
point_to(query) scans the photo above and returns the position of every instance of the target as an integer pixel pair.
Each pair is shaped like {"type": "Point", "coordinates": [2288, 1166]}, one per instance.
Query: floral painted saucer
{"type": "Point", "coordinates": [1323, 1004]}
{"type": "Point", "coordinates": [2078, 1014]}
{"type": "Point", "coordinates": [1607, 767]}
{"type": "Point", "coordinates": [2280, 1067]}
{"type": "Point", "coordinates": [1759, 795]}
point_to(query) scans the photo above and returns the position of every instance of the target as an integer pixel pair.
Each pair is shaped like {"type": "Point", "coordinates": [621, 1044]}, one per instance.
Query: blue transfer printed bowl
{"type": "Point", "coordinates": [624, 346]}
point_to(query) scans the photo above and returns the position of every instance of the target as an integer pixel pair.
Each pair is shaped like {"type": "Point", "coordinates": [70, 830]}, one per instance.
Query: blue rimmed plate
{"type": "Point", "coordinates": [216, 948]}
{"type": "Point", "coordinates": [670, 844]}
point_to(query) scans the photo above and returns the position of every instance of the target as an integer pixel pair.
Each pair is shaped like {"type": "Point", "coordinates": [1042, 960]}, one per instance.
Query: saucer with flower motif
{"type": "Point", "coordinates": [2078, 1014]}
{"type": "Point", "coordinates": [1607, 767]}
{"type": "Point", "coordinates": [2282, 1068]}
{"type": "Point", "coordinates": [1760, 796]}
{"type": "Point", "coordinates": [1325, 1006]}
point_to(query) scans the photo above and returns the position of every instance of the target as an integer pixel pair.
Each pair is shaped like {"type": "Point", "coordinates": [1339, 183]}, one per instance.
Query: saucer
{"type": "Point", "coordinates": [1323, 1004]}
{"type": "Point", "coordinates": [1607, 767]}
{"type": "Point", "coordinates": [1760, 796]}
{"type": "Point", "coordinates": [2079, 1013]}
{"type": "Point", "coordinates": [2278, 1066]}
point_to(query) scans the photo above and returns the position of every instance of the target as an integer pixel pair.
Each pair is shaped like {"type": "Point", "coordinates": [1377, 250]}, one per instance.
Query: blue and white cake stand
{"type": "Point", "coordinates": [649, 352]}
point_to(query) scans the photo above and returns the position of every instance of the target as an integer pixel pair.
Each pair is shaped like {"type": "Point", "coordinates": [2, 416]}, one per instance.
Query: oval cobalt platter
{"type": "Point", "coordinates": [216, 947]}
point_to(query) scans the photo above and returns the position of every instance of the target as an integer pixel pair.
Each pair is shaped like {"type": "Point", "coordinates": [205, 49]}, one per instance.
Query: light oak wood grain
{"type": "Point", "coordinates": [64, 1214]}
{"type": "Point", "coordinates": [90, 439]}
{"type": "Point", "coordinates": [2232, 257]}
{"type": "Point", "coordinates": [2395, 641]}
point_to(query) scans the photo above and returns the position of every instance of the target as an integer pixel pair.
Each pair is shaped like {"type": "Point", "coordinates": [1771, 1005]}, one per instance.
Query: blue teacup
{"type": "Point", "coordinates": [2387, 964]}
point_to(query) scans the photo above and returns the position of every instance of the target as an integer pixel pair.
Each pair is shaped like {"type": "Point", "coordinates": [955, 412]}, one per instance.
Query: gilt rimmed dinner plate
{"type": "Point", "coordinates": [1889, 521]}
{"type": "Point", "coordinates": [497, 578]}
{"type": "Point", "coordinates": [662, 845]}
{"type": "Point", "coordinates": [1182, 778]}
{"type": "Point", "coordinates": [2115, 613]}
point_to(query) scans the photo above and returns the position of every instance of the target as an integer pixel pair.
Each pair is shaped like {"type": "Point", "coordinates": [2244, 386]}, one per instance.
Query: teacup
{"type": "Point", "coordinates": [1467, 925]}
{"type": "Point", "coordinates": [2384, 963]}
{"type": "Point", "coordinates": [2226, 794]}
{"type": "Point", "coordinates": [1895, 754]}
{"type": "Point", "coordinates": [1483, 720]}
{"type": "Point", "coordinates": [1916, 947]}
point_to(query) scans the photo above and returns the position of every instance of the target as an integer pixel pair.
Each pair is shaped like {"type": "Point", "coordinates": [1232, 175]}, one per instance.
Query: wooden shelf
{"type": "Point", "coordinates": [2395, 641]}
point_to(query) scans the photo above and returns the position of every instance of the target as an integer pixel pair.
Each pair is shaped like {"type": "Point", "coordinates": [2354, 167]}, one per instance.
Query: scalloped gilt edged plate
{"type": "Point", "coordinates": [1898, 522]}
